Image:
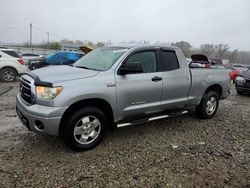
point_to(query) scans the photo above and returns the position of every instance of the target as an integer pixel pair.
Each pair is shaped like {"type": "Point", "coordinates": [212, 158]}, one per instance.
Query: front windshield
{"type": "Point", "coordinates": [100, 59]}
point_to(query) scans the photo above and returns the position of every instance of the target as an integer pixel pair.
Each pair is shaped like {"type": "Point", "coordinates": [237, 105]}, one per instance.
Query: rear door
{"type": "Point", "coordinates": [139, 93]}
{"type": "Point", "coordinates": [176, 81]}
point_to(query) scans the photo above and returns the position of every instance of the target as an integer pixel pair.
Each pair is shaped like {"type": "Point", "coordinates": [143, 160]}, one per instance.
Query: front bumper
{"type": "Point", "coordinates": [243, 89]}
{"type": "Point", "coordinates": [33, 115]}
{"type": "Point", "coordinates": [242, 86]}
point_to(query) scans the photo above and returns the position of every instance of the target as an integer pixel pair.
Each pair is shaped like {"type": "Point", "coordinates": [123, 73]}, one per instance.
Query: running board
{"type": "Point", "coordinates": [152, 119]}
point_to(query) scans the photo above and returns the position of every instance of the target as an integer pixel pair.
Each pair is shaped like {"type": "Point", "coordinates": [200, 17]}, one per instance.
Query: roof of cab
{"type": "Point", "coordinates": [138, 46]}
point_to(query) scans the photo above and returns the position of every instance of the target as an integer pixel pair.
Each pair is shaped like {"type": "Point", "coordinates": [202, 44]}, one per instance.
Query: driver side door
{"type": "Point", "coordinates": [139, 94]}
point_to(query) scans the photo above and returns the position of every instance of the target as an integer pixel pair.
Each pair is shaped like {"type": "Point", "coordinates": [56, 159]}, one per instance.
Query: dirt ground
{"type": "Point", "coordinates": [176, 152]}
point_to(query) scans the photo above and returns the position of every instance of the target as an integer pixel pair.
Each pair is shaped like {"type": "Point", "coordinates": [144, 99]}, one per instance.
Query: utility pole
{"type": "Point", "coordinates": [48, 39]}
{"type": "Point", "coordinates": [31, 35]}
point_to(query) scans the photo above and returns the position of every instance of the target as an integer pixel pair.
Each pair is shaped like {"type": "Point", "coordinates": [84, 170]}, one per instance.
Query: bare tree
{"type": "Point", "coordinates": [207, 49]}
{"type": "Point", "coordinates": [221, 50]}
{"type": "Point", "coordinates": [184, 46]}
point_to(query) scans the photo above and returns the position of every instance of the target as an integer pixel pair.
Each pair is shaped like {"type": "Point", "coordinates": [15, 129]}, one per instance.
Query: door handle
{"type": "Point", "coordinates": [156, 79]}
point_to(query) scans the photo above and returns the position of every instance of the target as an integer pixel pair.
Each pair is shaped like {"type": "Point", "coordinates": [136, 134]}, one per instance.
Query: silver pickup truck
{"type": "Point", "coordinates": [116, 86]}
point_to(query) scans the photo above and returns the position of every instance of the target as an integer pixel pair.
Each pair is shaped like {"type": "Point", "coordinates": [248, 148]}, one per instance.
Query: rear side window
{"type": "Point", "coordinates": [169, 60]}
{"type": "Point", "coordinates": [11, 53]}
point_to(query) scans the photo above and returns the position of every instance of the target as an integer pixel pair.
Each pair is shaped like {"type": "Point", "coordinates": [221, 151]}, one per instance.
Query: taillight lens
{"type": "Point", "coordinates": [21, 61]}
{"type": "Point", "coordinates": [233, 74]}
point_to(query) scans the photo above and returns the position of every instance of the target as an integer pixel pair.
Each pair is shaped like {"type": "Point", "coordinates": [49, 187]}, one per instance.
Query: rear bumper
{"type": "Point", "coordinates": [21, 69]}
{"type": "Point", "coordinates": [33, 115]}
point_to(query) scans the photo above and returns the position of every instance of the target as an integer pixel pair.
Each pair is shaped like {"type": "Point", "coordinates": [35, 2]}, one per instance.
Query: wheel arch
{"type": "Point", "coordinates": [216, 88]}
{"type": "Point", "coordinates": [10, 67]}
{"type": "Point", "coordinates": [93, 102]}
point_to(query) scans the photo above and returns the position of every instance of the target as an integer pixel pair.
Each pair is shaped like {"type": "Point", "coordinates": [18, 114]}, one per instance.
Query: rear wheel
{"type": "Point", "coordinates": [85, 129]}
{"type": "Point", "coordinates": [208, 105]}
{"type": "Point", "coordinates": [8, 74]}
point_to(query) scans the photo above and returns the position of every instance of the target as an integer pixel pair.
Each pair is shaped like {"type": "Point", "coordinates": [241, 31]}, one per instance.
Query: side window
{"type": "Point", "coordinates": [11, 53]}
{"type": "Point", "coordinates": [169, 60]}
{"type": "Point", "coordinates": [147, 59]}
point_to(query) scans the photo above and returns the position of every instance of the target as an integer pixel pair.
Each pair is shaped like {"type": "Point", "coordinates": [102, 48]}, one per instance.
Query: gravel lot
{"type": "Point", "coordinates": [175, 152]}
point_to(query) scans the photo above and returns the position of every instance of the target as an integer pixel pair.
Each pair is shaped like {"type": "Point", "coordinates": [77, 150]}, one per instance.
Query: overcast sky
{"type": "Point", "coordinates": [196, 21]}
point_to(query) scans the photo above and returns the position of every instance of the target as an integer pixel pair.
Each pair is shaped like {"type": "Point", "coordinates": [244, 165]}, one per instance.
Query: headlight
{"type": "Point", "coordinates": [47, 93]}
{"type": "Point", "coordinates": [239, 78]}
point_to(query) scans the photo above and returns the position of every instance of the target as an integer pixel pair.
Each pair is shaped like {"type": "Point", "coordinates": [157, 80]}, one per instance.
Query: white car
{"type": "Point", "coordinates": [11, 64]}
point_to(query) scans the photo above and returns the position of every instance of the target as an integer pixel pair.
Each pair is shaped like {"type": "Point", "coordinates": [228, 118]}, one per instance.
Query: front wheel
{"type": "Point", "coordinates": [208, 105]}
{"type": "Point", "coordinates": [85, 129]}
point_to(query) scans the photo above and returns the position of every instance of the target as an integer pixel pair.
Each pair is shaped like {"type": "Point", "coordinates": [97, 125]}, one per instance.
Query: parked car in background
{"type": "Point", "coordinates": [240, 67]}
{"type": "Point", "coordinates": [31, 55]}
{"type": "Point", "coordinates": [58, 58]}
{"type": "Point", "coordinates": [28, 56]}
{"type": "Point", "coordinates": [85, 49]}
{"type": "Point", "coordinates": [242, 82]}
{"type": "Point", "coordinates": [199, 61]}
{"type": "Point", "coordinates": [11, 64]}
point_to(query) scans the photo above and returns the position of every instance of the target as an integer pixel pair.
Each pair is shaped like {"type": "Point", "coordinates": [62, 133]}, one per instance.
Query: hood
{"type": "Point", "coordinates": [62, 73]}
{"type": "Point", "coordinates": [199, 57]}
{"type": "Point", "coordinates": [245, 74]}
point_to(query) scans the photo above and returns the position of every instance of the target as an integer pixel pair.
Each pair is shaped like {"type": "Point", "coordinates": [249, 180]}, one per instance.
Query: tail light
{"type": "Point", "coordinates": [21, 61]}
{"type": "Point", "coordinates": [233, 74]}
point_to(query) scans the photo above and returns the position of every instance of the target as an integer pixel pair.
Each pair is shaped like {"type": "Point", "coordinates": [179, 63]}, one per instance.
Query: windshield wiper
{"type": "Point", "coordinates": [82, 67]}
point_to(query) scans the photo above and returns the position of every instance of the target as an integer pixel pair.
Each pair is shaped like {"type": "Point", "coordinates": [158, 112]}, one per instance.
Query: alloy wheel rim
{"type": "Point", "coordinates": [8, 75]}
{"type": "Point", "coordinates": [87, 129]}
{"type": "Point", "coordinates": [211, 105]}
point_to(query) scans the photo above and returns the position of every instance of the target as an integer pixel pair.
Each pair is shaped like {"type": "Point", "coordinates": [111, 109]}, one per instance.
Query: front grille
{"type": "Point", "coordinates": [25, 90]}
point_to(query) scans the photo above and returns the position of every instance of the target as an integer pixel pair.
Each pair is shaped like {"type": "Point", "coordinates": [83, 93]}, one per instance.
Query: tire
{"type": "Point", "coordinates": [8, 74]}
{"type": "Point", "coordinates": [85, 129]}
{"type": "Point", "coordinates": [208, 105]}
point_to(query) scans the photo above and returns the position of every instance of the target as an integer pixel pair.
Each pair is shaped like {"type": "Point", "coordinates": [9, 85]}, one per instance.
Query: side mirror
{"type": "Point", "coordinates": [131, 68]}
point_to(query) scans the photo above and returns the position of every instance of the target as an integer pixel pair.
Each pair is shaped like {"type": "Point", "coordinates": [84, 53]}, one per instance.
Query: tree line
{"type": "Point", "coordinates": [215, 51]}
{"type": "Point", "coordinates": [212, 51]}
